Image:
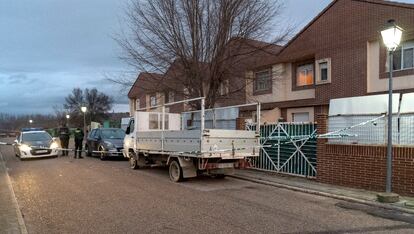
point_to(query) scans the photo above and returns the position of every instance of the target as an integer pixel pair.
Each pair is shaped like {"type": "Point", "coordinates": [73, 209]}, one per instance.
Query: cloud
{"type": "Point", "coordinates": [38, 92]}
{"type": "Point", "coordinates": [20, 78]}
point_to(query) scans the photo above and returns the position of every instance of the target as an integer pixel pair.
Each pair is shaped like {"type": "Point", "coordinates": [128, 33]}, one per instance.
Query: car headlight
{"type": "Point", "coordinates": [25, 147]}
{"type": "Point", "coordinates": [109, 144]}
{"type": "Point", "coordinates": [54, 145]}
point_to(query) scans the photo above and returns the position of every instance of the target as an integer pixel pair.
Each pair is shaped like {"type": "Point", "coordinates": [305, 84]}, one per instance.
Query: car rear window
{"type": "Point", "coordinates": [113, 134]}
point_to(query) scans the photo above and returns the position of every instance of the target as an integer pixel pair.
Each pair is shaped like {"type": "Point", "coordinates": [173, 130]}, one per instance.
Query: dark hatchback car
{"type": "Point", "coordinates": [108, 141]}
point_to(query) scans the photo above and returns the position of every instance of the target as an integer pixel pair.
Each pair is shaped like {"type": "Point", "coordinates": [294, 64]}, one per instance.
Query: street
{"type": "Point", "coordinates": [66, 195]}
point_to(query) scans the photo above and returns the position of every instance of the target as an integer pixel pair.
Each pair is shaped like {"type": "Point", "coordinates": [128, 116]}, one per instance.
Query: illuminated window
{"type": "Point", "coordinates": [304, 75]}
{"type": "Point", "coordinates": [263, 81]}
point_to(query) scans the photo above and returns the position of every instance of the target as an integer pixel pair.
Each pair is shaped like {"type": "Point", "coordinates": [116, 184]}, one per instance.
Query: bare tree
{"type": "Point", "coordinates": [97, 103]}
{"type": "Point", "coordinates": [205, 40]}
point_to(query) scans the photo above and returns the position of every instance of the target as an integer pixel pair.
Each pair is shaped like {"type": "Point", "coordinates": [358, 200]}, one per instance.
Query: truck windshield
{"type": "Point", "coordinates": [113, 134]}
{"type": "Point", "coordinates": [36, 136]}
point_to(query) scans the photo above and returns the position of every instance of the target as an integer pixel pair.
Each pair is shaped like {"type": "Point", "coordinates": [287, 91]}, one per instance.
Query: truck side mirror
{"type": "Point", "coordinates": [128, 130]}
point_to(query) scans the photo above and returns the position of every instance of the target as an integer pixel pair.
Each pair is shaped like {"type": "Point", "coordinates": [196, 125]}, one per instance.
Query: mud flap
{"type": "Point", "coordinates": [189, 170]}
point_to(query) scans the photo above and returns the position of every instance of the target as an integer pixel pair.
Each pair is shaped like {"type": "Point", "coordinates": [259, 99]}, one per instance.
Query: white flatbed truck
{"type": "Point", "coordinates": [159, 139]}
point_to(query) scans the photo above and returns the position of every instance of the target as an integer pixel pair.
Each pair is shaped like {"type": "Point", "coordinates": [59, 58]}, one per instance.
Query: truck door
{"type": "Point", "coordinates": [129, 140]}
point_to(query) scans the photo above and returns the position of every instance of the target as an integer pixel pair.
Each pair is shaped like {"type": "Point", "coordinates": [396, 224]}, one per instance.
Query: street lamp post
{"type": "Point", "coordinates": [67, 120]}
{"type": "Point", "coordinates": [30, 122]}
{"type": "Point", "coordinates": [391, 36]}
{"type": "Point", "coordinates": [84, 109]}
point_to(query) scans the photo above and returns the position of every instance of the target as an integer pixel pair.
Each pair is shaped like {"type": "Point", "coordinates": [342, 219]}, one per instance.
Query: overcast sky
{"type": "Point", "coordinates": [48, 47]}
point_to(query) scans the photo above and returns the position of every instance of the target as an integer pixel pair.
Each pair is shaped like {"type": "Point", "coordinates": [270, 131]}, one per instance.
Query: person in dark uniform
{"type": "Point", "coordinates": [64, 139]}
{"type": "Point", "coordinates": [78, 142]}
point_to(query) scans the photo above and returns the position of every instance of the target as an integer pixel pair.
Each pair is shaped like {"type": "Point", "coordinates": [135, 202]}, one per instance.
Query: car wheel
{"type": "Point", "coordinates": [102, 153]}
{"type": "Point", "coordinates": [88, 151]}
{"type": "Point", "coordinates": [133, 162]}
{"type": "Point", "coordinates": [175, 171]}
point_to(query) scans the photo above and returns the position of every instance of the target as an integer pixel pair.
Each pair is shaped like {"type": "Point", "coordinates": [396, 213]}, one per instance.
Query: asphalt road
{"type": "Point", "coordinates": [65, 195]}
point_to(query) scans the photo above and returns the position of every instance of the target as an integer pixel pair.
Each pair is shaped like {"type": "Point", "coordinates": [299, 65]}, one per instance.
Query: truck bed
{"type": "Point", "coordinates": [215, 143]}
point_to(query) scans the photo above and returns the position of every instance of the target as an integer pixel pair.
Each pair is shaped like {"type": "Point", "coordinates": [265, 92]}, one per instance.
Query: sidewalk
{"type": "Point", "coordinates": [313, 187]}
{"type": "Point", "coordinates": [11, 220]}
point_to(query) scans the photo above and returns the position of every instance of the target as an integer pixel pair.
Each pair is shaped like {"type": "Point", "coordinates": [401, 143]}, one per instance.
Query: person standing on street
{"type": "Point", "coordinates": [78, 142]}
{"type": "Point", "coordinates": [64, 136]}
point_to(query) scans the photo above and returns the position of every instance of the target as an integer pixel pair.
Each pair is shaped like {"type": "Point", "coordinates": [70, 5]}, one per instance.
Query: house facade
{"type": "Point", "coordinates": [154, 89]}
{"type": "Point", "coordinates": [338, 54]}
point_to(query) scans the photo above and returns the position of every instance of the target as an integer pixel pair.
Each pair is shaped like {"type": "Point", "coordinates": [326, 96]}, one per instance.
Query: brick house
{"type": "Point", "coordinates": [338, 54]}
{"type": "Point", "coordinates": [152, 89]}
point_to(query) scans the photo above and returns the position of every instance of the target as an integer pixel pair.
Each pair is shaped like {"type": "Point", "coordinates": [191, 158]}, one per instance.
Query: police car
{"type": "Point", "coordinates": [35, 143]}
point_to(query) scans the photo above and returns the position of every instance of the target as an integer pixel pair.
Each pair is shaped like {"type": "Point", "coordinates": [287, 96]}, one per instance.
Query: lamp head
{"type": "Point", "coordinates": [391, 35]}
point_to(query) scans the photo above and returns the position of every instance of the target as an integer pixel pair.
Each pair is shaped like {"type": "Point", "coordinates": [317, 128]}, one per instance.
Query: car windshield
{"type": "Point", "coordinates": [36, 136]}
{"type": "Point", "coordinates": [113, 134]}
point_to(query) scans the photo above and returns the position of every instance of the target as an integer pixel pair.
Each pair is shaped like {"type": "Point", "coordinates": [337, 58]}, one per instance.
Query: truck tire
{"type": "Point", "coordinates": [175, 171]}
{"type": "Point", "coordinates": [133, 162]}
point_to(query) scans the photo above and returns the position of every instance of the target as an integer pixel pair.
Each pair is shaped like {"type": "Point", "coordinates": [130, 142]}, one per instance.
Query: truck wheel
{"type": "Point", "coordinates": [176, 172]}
{"type": "Point", "coordinates": [133, 163]}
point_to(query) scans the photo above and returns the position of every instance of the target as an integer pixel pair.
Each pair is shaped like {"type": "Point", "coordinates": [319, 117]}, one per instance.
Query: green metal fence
{"type": "Point", "coordinates": [288, 148]}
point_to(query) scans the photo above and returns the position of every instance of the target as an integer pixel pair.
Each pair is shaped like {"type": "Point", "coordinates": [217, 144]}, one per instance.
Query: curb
{"type": "Point", "coordinates": [22, 225]}
{"type": "Point", "coordinates": [324, 194]}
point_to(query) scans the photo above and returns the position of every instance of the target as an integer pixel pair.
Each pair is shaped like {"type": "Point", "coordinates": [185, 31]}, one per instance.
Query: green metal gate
{"type": "Point", "coordinates": [288, 148]}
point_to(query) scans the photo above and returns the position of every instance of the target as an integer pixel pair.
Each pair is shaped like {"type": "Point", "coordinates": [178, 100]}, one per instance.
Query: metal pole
{"type": "Point", "coordinates": [84, 123]}
{"type": "Point", "coordinates": [202, 115]}
{"type": "Point", "coordinates": [258, 113]}
{"type": "Point", "coordinates": [214, 118]}
{"type": "Point", "coordinates": [162, 128]}
{"type": "Point", "coordinates": [388, 186]}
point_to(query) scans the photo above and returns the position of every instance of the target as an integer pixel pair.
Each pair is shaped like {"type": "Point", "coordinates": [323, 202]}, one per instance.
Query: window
{"type": "Point", "coordinates": [112, 134]}
{"type": "Point", "coordinates": [36, 136]}
{"type": "Point", "coordinates": [153, 100]}
{"type": "Point", "coordinates": [92, 133]}
{"type": "Point", "coordinates": [131, 126]}
{"type": "Point", "coordinates": [137, 104]}
{"type": "Point", "coordinates": [300, 117]}
{"type": "Point", "coordinates": [304, 75]}
{"type": "Point", "coordinates": [169, 96]}
{"type": "Point", "coordinates": [404, 56]}
{"type": "Point", "coordinates": [224, 88]}
{"type": "Point", "coordinates": [263, 81]}
{"type": "Point", "coordinates": [153, 121]}
{"type": "Point", "coordinates": [323, 71]}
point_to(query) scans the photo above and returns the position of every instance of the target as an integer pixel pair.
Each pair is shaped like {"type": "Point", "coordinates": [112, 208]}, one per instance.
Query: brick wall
{"type": "Point", "coordinates": [363, 166]}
